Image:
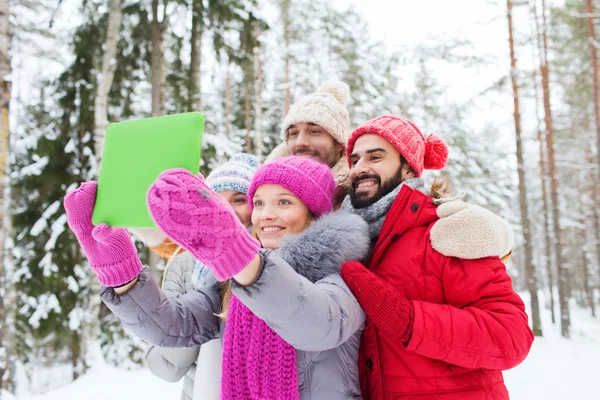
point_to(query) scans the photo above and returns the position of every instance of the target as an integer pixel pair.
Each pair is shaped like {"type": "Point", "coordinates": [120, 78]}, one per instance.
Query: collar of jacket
{"type": "Point", "coordinates": [323, 247]}
{"type": "Point", "coordinates": [411, 208]}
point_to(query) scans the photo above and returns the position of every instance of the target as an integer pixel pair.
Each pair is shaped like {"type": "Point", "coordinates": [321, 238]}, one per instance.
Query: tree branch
{"type": "Point", "coordinates": [584, 15]}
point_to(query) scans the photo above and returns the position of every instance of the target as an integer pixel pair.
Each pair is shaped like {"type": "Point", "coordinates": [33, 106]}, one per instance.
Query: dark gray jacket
{"type": "Point", "coordinates": [323, 320]}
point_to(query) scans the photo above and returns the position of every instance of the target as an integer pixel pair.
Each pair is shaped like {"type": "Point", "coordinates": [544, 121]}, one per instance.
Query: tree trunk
{"type": "Point", "coordinates": [195, 103]}
{"type": "Point", "coordinates": [587, 288]}
{"type": "Point", "coordinates": [247, 119]}
{"type": "Point", "coordinates": [594, 56]}
{"type": "Point", "coordinates": [288, 97]}
{"type": "Point", "coordinates": [258, 83]}
{"type": "Point", "coordinates": [74, 354]}
{"type": "Point", "coordinates": [5, 87]}
{"type": "Point", "coordinates": [158, 92]}
{"type": "Point", "coordinates": [91, 329]}
{"type": "Point", "coordinates": [528, 259]}
{"type": "Point", "coordinates": [563, 273]}
{"type": "Point", "coordinates": [228, 99]}
{"type": "Point", "coordinates": [547, 231]}
{"type": "Point", "coordinates": [109, 65]}
{"type": "Point", "coordinates": [593, 188]}
{"type": "Point", "coordinates": [157, 61]}
{"type": "Point", "coordinates": [285, 16]}
{"type": "Point", "coordinates": [548, 261]}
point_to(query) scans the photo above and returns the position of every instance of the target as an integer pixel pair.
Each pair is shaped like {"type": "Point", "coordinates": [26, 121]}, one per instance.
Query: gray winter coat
{"type": "Point", "coordinates": [304, 299]}
{"type": "Point", "coordinates": [167, 363]}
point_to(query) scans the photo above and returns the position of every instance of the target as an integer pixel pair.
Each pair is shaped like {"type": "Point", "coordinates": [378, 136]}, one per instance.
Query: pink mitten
{"type": "Point", "coordinates": [197, 219]}
{"type": "Point", "coordinates": [110, 251]}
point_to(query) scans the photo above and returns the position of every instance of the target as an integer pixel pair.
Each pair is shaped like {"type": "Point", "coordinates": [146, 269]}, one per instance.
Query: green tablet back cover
{"type": "Point", "coordinates": [135, 153]}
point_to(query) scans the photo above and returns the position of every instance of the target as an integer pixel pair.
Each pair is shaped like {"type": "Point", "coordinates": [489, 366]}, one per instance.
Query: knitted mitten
{"type": "Point", "coordinates": [110, 251]}
{"type": "Point", "coordinates": [201, 222]}
{"type": "Point", "coordinates": [389, 310]}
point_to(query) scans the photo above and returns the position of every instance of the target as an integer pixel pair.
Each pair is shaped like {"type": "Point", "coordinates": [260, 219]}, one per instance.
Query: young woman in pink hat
{"type": "Point", "coordinates": [290, 326]}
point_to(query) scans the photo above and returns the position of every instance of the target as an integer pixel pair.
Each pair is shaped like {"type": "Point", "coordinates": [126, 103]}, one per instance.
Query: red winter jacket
{"type": "Point", "coordinates": [468, 322]}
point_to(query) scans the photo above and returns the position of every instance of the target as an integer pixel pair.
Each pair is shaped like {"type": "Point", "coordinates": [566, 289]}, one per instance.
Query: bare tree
{"type": "Point", "coordinates": [547, 231]}
{"type": "Point", "coordinates": [594, 57]}
{"type": "Point", "coordinates": [258, 83]}
{"type": "Point", "coordinates": [587, 287]}
{"type": "Point", "coordinates": [109, 65]}
{"type": "Point", "coordinates": [5, 88]}
{"type": "Point", "coordinates": [90, 330]}
{"type": "Point", "coordinates": [549, 264]}
{"type": "Point", "coordinates": [528, 260]}
{"type": "Point", "coordinates": [285, 16]}
{"type": "Point", "coordinates": [228, 98]}
{"type": "Point", "coordinates": [563, 273]}
{"type": "Point", "coordinates": [247, 114]}
{"type": "Point", "coordinates": [195, 102]}
{"type": "Point", "coordinates": [157, 62]}
{"type": "Point", "coordinates": [157, 66]}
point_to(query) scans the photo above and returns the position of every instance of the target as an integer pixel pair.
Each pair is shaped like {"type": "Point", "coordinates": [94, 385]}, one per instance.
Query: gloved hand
{"type": "Point", "coordinates": [110, 251]}
{"type": "Point", "coordinates": [201, 222]}
{"type": "Point", "coordinates": [388, 309]}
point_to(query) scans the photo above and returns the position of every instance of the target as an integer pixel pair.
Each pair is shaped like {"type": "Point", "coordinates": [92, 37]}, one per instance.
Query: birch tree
{"type": "Point", "coordinates": [195, 99]}
{"type": "Point", "coordinates": [91, 326]}
{"type": "Point", "coordinates": [258, 85]}
{"type": "Point", "coordinates": [5, 87]}
{"type": "Point", "coordinates": [285, 17]}
{"type": "Point", "coordinates": [105, 79]}
{"type": "Point", "coordinates": [157, 62]}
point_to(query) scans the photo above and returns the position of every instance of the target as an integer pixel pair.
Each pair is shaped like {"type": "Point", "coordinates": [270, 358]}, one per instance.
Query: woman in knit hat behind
{"type": "Point", "coordinates": [290, 325]}
{"type": "Point", "coordinates": [201, 367]}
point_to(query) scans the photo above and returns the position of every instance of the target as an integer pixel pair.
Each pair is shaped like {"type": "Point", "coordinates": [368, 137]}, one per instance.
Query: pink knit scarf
{"type": "Point", "coordinates": [257, 362]}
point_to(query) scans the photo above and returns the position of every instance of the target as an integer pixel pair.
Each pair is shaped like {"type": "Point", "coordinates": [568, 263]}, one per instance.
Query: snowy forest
{"type": "Point", "coordinates": [513, 87]}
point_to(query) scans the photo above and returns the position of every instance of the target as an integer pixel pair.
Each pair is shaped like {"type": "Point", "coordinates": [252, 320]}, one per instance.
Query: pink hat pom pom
{"type": "Point", "coordinates": [436, 152]}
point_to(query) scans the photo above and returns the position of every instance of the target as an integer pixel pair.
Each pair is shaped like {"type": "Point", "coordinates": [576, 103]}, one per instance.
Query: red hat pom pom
{"type": "Point", "coordinates": [436, 152]}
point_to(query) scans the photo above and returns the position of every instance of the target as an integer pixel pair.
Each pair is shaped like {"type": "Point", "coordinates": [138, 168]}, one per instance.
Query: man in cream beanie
{"type": "Point", "coordinates": [317, 126]}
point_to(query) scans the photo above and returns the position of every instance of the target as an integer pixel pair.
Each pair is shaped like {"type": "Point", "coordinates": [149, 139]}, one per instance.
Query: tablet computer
{"type": "Point", "coordinates": [135, 153]}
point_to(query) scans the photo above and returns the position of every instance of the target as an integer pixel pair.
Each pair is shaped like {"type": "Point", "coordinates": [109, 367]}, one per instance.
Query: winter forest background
{"type": "Point", "coordinates": [513, 88]}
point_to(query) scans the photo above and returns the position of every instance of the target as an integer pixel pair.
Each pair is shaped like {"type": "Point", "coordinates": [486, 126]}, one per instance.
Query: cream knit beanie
{"type": "Point", "coordinates": [326, 108]}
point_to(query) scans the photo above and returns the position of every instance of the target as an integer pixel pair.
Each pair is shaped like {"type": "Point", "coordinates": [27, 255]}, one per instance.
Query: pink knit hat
{"type": "Point", "coordinates": [311, 181]}
{"type": "Point", "coordinates": [419, 152]}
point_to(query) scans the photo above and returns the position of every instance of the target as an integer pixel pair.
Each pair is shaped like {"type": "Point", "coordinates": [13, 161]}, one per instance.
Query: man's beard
{"type": "Point", "coordinates": [330, 158]}
{"type": "Point", "coordinates": [362, 200]}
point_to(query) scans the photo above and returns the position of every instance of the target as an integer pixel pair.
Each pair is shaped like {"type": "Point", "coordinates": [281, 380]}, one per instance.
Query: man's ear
{"type": "Point", "coordinates": [407, 171]}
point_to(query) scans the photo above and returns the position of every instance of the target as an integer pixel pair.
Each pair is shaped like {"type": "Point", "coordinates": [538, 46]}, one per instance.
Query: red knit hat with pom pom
{"type": "Point", "coordinates": [420, 153]}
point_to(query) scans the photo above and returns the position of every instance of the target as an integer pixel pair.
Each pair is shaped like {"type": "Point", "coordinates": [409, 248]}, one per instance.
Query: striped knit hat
{"type": "Point", "coordinates": [236, 174]}
{"type": "Point", "coordinates": [309, 180]}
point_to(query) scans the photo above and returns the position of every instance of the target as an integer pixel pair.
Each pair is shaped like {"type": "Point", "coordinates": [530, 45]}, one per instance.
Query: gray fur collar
{"type": "Point", "coordinates": [319, 250]}
{"type": "Point", "coordinates": [322, 248]}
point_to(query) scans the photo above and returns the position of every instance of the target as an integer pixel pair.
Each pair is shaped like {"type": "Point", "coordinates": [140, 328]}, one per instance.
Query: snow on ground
{"type": "Point", "coordinates": [556, 369]}
{"type": "Point", "coordinates": [106, 382]}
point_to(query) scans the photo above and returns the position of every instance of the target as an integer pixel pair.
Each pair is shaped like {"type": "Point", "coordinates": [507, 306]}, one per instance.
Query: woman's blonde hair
{"type": "Point", "coordinates": [226, 286]}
